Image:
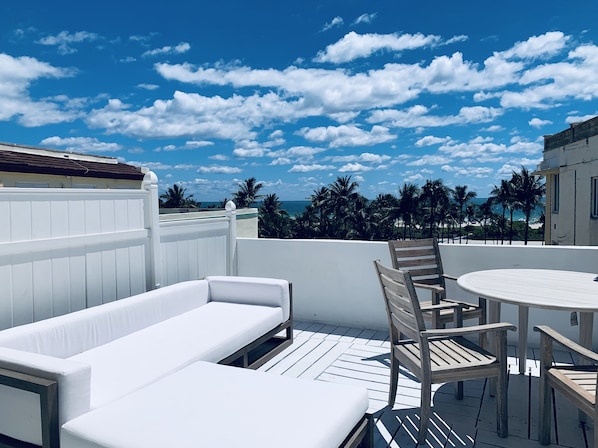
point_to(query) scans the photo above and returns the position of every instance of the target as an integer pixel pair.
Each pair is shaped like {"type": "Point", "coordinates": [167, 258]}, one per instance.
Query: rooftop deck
{"type": "Point", "coordinates": [361, 357]}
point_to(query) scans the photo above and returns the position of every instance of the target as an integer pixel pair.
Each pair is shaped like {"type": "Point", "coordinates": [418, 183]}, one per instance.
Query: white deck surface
{"type": "Point", "coordinates": [361, 357]}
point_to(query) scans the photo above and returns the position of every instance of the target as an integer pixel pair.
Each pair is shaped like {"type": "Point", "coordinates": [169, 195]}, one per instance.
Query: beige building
{"type": "Point", "coordinates": [25, 166]}
{"type": "Point", "coordinates": [570, 166]}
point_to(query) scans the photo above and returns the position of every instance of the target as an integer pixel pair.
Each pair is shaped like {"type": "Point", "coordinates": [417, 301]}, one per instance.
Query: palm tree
{"type": "Point", "coordinates": [247, 193]}
{"type": "Point", "coordinates": [175, 197]}
{"type": "Point", "coordinates": [320, 202]}
{"type": "Point", "coordinates": [274, 222]}
{"type": "Point", "coordinates": [408, 206]}
{"type": "Point", "coordinates": [503, 196]}
{"type": "Point", "coordinates": [528, 192]}
{"type": "Point", "coordinates": [383, 216]}
{"type": "Point", "coordinates": [343, 200]}
{"type": "Point", "coordinates": [434, 198]}
{"type": "Point", "coordinates": [461, 197]}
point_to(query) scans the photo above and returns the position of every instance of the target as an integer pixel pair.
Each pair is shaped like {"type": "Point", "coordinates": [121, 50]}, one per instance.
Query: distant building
{"type": "Point", "coordinates": [570, 166]}
{"type": "Point", "coordinates": [25, 166]}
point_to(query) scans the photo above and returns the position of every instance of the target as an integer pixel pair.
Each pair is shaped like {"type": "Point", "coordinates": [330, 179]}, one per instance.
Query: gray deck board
{"type": "Point", "coordinates": [360, 357]}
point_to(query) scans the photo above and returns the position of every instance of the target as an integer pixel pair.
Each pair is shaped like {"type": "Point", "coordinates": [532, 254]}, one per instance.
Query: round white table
{"type": "Point", "coordinates": [536, 288]}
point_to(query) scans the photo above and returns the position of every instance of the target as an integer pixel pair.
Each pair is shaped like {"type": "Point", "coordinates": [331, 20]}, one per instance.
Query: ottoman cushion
{"type": "Point", "coordinates": [210, 405]}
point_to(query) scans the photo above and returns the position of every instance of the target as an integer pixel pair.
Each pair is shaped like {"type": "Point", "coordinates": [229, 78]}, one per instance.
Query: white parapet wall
{"type": "Point", "coordinates": [334, 281]}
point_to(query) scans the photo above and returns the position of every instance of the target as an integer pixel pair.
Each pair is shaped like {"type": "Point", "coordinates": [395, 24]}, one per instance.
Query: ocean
{"type": "Point", "coordinates": [294, 208]}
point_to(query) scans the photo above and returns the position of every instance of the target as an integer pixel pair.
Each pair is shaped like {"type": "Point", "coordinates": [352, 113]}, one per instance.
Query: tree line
{"type": "Point", "coordinates": [339, 211]}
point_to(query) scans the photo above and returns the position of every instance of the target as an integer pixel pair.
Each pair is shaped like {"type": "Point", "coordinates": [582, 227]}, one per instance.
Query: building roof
{"type": "Point", "coordinates": [575, 133]}
{"type": "Point", "coordinates": [24, 159]}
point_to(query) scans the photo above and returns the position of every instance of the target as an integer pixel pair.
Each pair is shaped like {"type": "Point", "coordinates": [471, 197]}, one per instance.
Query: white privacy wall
{"type": "Point", "coordinates": [193, 249]}
{"type": "Point", "coordinates": [63, 250]}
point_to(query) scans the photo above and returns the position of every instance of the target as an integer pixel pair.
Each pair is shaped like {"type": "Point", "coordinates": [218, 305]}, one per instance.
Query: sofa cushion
{"type": "Point", "coordinates": [67, 335]}
{"type": "Point", "coordinates": [251, 290]}
{"type": "Point", "coordinates": [210, 405]}
{"type": "Point", "coordinates": [209, 333]}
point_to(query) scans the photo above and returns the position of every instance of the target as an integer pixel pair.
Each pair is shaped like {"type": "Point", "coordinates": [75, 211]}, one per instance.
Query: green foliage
{"type": "Point", "coordinates": [176, 197]}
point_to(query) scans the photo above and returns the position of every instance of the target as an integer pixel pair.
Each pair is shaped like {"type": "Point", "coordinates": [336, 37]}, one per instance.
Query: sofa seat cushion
{"type": "Point", "coordinates": [210, 405]}
{"type": "Point", "coordinates": [209, 333]}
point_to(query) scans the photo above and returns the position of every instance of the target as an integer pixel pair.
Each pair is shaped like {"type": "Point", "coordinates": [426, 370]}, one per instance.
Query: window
{"type": "Point", "coordinates": [555, 193]}
{"type": "Point", "coordinates": [594, 197]}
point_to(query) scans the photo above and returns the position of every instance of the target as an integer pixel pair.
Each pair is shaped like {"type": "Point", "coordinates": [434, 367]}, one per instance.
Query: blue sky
{"type": "Point", "coordinates": [296, 93]}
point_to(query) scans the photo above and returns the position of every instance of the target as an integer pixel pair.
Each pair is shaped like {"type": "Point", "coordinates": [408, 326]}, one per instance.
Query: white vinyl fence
{"type": "Point", "coordinates": [63, 250]}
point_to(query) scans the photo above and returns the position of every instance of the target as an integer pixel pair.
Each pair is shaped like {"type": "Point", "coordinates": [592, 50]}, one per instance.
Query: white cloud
{"type": "Point", "coordinates": [545, 45]}
{"type": "Point", "coordinates": [64, 40]}
{"type": "Point", "coordinates": [354, 45]}
{"type": "Point", "coordinates": [418, 116]}
{"type": "Point", "coordinates": [430, 159]}
{"type": "Point", "coordinates": [81, 144]}
{"type": "Point", "coordinates": [354, 168]}
{"type": "Point", "coordinates": [573, 119]}
{"type": "Point", "coordinates": [335, 23]}
{"type": "Point", "coordinates": [181, 48]}
{"type": "Point", "coordinates": [347, 135]}
{"type": "Point", "coordinates": [219, 169]}
{"type": "Point", "coordinates": [148, 86]}
{"type": "Point", "coordinates": [308, 168]}
{"type": "Point", "coordinates": [365, 18]}
{"type": "Point", "coordinates": [364, 157]}
{"type": "Point", "coordinates": [537, 123]}
{"type": "Point", "coordinates": [430, 140]}
{"type": "Point", "coordinates": [16, 76]}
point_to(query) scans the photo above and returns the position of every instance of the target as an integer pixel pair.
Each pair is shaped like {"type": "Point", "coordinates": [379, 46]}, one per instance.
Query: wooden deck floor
{"type": "Point", "coordinates": [361, 357]}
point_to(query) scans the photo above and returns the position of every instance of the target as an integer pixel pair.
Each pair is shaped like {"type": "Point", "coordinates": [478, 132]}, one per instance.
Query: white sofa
{"type": "Point", "coordinates": [84, 360]}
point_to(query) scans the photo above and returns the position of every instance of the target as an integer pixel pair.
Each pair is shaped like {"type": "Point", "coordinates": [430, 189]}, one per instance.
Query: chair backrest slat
{"type": "Point", "coordinates": [402, 305]}
{"type": "Point", "coordinates": [420, 257]}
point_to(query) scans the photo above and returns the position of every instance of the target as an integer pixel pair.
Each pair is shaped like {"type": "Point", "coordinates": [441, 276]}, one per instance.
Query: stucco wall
{"type": "Point", "coordinates": [334, 281]}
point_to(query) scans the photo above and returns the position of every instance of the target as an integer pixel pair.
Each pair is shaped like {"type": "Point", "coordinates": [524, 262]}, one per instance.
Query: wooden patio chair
{"type": "Point", "coordinates": [438, 355]}
{"type": "Point", "coordinates": [577, 383]}
{"type": "Point", "coordinates": [421, 258]}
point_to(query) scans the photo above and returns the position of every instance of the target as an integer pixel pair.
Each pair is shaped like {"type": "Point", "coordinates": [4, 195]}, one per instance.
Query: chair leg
{"type": "Point", "coordinates": [545, 418]}
{"type": "Point", "coordinates": [394, 379]}
{"type": "Point", "coordinates": [459, 390]}
{"type": "Point", "coordinates": [425, 414]}
{"type": "Point", "coordinates": [502, 407]}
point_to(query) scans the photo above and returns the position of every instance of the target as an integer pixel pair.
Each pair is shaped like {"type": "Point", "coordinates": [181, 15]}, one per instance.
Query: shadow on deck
{"type": "Point", "coordinates": [361, 357]}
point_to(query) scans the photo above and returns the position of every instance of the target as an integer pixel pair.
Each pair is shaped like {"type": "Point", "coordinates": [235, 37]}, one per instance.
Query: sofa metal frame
{"type": "Point", "coordinates": [48, 401]}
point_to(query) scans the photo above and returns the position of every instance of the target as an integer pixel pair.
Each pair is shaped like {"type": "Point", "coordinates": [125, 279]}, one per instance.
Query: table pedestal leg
{"type": "Point", "coordinates": [523, 323]}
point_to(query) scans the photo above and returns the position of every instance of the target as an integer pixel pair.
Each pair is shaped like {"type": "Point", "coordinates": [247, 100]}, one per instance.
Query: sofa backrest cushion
{"type": "Point", "coordinates": [67, 335]}
{"type": "Point", "coordinates": [251, 290]}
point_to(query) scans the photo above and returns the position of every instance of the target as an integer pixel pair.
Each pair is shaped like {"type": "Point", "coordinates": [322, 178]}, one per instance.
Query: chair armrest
{"type": "Point", "coordinates": [434, 288]}
{"type": "Point", "coordinates": [572, 346]}
{"type": "Point", "coordinates": [450, 277]}
{"type": "Point", "coordinates": [464, 331]}
{"type": "Point", "coordinates": [441, 306]}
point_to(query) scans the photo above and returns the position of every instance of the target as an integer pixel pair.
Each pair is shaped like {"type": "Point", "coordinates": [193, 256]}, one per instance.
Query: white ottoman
{"type": "Point", "coordinates": [211, 405]}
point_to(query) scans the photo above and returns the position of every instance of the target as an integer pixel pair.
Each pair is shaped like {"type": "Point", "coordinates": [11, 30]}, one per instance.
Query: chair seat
{"type": "Point", "coordinates": [582, 379]}
{"type": "Point", "coordinates": [446, 315]}
{"type": "Point", "coordinates": [449, 355]}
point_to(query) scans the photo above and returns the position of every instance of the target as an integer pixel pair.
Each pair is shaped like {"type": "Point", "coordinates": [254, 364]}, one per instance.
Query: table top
{"type": "Point", "coordinates": [537, 288]}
